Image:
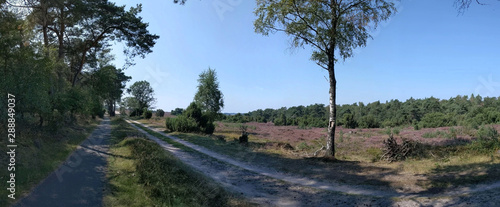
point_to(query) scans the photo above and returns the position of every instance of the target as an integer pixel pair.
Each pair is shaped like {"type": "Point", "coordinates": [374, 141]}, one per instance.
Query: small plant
{"type": "Point", "coordinates": [396, 130]}
{"type": "Point", "coordinates": [374, 153]}
{"type": "Point", "coordinates": [341, 136]}
{"type": "Point", "coordinates": [244, 134]}
{"type": "Point", "coordinates": [387, 131]}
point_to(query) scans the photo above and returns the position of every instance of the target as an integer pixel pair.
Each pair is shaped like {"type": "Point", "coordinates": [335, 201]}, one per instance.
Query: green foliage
{"type": "Point", "coordinates": [182, 124]}
{"type": "Point", "coordinates": [177, 111]}
{"type": "Point", "coordinates": [433, 120]}
{"type": "Point", "coordinates": [58, 78]}
{"type": "Point", "coordinates": [487, 133]}
{"type": "Point", "coordinates": [148, 114]}
{"type": "Point", "coordinates": [170, 182]}
{"type": "Point", "coordinates": [487, 140]}
{"type": "Point", "coordinates": [160, 113]}
{"type": "Point", "coordinates": [459, 110]}
{"type": "Point", "coordinates": [143, 94]}
{"type": "Point", "coordinates": [209, 97]}
{"type": "Point", "coordinates": [369, 122]}
{"type": "Point", "coordinates": [192, 120]}
{"type": "Point", "coordinates": [374, 153]}
{"type": "Point", "coordinates": [348, 121]}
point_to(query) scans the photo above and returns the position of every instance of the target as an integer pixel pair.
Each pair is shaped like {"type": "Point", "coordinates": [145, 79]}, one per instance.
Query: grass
{"type": "Point", "coordinates": [143, 174]}
{"type": "Point", "coordinates": [40, 152]}
{"type": "Point", "coordinates": [360, 165]}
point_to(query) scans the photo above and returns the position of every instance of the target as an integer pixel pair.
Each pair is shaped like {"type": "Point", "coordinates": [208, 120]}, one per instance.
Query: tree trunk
{"type": "Point", "coordinates": [330, 142]}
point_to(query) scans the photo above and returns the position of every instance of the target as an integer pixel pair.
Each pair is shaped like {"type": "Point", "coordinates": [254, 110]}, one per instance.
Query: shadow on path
{"type": "Point", "coordinates": [80, 180]}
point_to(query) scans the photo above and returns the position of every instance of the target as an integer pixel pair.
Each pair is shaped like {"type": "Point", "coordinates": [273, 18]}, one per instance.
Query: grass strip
{"type": "Point", "coordinates": [141, 173]}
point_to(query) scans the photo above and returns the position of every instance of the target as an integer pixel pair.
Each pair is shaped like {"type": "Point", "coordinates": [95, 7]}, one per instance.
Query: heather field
{"type": "Point", "coordinates": [447, 157]}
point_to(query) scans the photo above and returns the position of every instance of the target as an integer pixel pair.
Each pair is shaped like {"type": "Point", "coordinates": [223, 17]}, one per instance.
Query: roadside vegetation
{"type": "Point", "coordinates": [141, 173]}
{"type": "Point", "coordinates": [41, 151]}
{"type": "Point", "coordinates": [433, 163]}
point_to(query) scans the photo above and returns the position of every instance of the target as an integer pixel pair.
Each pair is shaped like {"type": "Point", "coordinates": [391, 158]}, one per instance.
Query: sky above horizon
{"type": "Point", "coordinates": [426, 49]}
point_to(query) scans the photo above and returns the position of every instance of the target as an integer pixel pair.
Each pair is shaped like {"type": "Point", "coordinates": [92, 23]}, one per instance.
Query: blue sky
{"type": "Point", "coordinates": [426, 49]}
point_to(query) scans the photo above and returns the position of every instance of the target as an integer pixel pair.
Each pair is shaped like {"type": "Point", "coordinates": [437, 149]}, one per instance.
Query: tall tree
{"type": "Point", "coordinates": [208, 96]}
{"type": "Point", "coordinates": [143, 93]}
{"type": "Point", "coordinates": [108, 83]}
{"type": "Point", "coordinates": [333, 28]}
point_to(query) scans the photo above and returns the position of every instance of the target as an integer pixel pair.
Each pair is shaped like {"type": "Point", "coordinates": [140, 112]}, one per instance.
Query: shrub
{"type": "Point", "coordinates": [193, 111]}
{"type": "Point", "coordinates": [181, 124]}
{"type": "Point", "coordinates": [209, 128]}
{"type": "Point", "coordinates": [374, 153]}
{"type": "Point", "coordinates": [136, 112]}
{"type": "Point", "coordinates": [148, 114]}
{"type": "Point", "coordinates": [244, 134]}
{"type": "Point", "coordinates": [244, 138]}
{"type": "Point", "coordinates": [487, 141]}
{"type": "Point", "coordinates": [487, 133]}
{"type": "Point", "coordinates": [192, 120]}
{"type": "Point", "coordinates": [160, 113]}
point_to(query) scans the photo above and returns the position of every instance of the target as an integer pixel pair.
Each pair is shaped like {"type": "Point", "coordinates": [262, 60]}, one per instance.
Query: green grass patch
{"type": "Point", "coordinates": [141, 173]}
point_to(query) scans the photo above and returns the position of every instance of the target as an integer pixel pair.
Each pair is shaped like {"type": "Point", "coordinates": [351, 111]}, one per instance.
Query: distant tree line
{"type": "Point", "coordinates": [421, 113]}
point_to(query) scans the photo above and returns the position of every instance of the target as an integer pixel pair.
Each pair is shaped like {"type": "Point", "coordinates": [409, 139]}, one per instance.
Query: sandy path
{"type": "Point", "coordinates": [269, 187]}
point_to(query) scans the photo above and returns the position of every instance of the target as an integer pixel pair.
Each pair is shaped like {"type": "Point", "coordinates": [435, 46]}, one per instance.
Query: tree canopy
{"type": "Point", "coordinates": [209, 97]}
{"type": "Point", "coordinates": [54, 56]}
{"type": "Point", "coordinates": [333, 29]}
{"type": "Point", "coordinates": [143, 93]}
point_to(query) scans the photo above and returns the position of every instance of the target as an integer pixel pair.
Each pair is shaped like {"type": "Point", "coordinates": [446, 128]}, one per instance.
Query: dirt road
{"type": "Point", "coordinates": [272, 188]}
{"type": "Point", "coordinates": [80, 180]}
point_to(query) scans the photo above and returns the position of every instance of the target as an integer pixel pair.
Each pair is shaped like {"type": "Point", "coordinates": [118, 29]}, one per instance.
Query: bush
{"type": "Point", "coordinates": [148, 114]}
{"type": "Point", "coordinates": [487, 133]}
{"type": "Point", "coordinates": [181, 124]}
{"type": "Point", "coordinates": [487, 141]}
{"type": "Point", "coordinates": [192, 120]}
{"type": "Point", "coordinates": [244, 138]}
{"type": "Point", "coordinates": [136, 112]}
{"type": "Point", "coordinates": [210, 128]}
{"type": "Point", "coordinates": [244, 134]}
{"type": "Point", "coordinates": [160, 113]}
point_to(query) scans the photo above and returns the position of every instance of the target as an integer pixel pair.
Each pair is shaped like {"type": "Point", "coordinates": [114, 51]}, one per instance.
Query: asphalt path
{"type": "Point", "coordinates": [81, 179]}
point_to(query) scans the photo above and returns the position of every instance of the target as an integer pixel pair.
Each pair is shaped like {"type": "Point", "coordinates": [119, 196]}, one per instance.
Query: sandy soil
{"type": "Point", "coordinates": [268, 187]}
